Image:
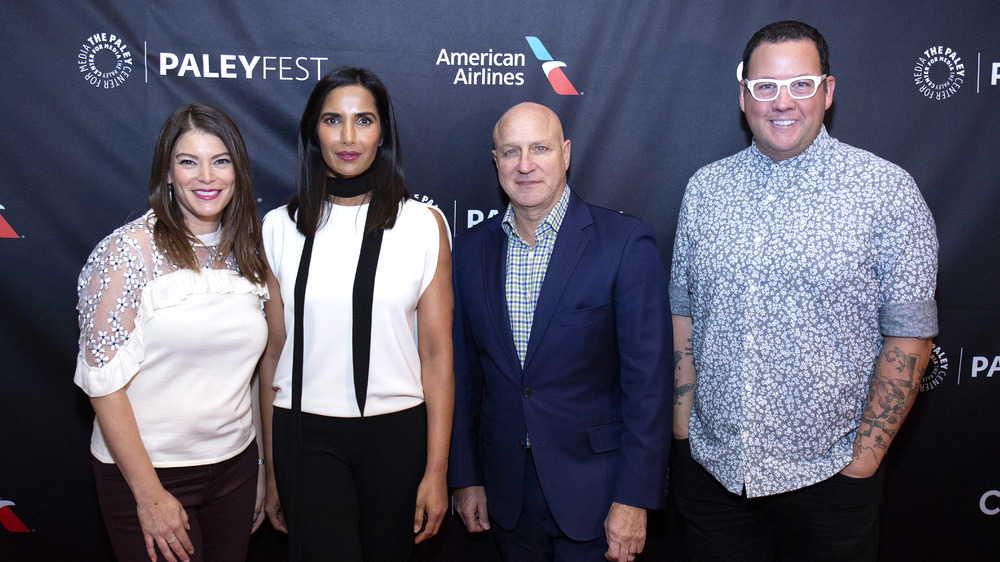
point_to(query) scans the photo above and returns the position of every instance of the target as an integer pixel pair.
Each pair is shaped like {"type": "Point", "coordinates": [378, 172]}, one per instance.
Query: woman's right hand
{"type": "Point", "coordinates": [272, 506]}
{"type": "Point", "coordinates": [162, 518]}
{"type": "Point", "coordinates": [165, 525]}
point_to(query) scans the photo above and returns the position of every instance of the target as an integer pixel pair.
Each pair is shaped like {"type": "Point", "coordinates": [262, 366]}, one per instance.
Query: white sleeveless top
{"type": "Point", "coordinates": [406, 266]}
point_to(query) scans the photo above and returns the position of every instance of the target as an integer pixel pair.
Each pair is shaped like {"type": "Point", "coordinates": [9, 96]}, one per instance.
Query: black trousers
{"type": "Point", "coordinates": [836, 519]}
{"type": "Point", "coordinates": [218, 499]}
{"type": "Point", "coordinates": [358, 484]}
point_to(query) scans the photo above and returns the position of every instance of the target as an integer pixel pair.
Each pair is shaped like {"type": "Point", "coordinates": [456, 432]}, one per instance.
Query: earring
{"type": "Point", "coordinates": [170, 191]}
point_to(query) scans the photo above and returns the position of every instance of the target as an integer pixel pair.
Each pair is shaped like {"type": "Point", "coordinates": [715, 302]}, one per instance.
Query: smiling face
{"type": "Point", "coordinates": [785, 127]}
{"type": "Point", "coordinates": [532, 159]}
{"type": "Point", "coordinates": [203, 179]}
{"type": "Point", "coordinates": [349, 131]}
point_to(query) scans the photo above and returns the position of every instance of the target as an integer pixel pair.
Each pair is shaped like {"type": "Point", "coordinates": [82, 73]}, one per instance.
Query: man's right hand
{"type": "Point", "coordinates": [470, 502]}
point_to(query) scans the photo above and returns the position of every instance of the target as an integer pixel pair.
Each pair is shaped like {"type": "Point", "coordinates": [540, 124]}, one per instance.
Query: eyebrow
{"type": "Point", "coordinates": [529, 144]}
{"type": "Point", "coordinates": [789, 78]}
{"type": "Point", "coordinates": [213, 157]}
{"type": "Point", "coordinates": [358, 114]}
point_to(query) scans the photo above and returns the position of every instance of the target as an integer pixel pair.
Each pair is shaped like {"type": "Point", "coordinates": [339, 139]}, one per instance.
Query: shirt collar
{"type": "Point", "coordinates": [207, 240]}
{"type": "Point", "coordinates": [210, 239]}
{"type": "Point", "coordinates": [553, 219]}
{"type": "Point", "coordinates": [817, 146]}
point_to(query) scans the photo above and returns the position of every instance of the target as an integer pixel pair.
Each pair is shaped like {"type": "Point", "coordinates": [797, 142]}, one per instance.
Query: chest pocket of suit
{"type": "Point", "coordinates": [607, 437]}
{"type": "Point", "coordinates": [584, 316]}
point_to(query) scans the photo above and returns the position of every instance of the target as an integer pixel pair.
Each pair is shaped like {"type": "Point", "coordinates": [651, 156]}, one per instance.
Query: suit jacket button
{"type": "Point", "coordinates": [526, 392]}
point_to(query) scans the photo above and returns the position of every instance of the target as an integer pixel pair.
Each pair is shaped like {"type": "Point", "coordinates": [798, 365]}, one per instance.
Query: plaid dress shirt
{"type": "Point", "coordinates": [526, 267]}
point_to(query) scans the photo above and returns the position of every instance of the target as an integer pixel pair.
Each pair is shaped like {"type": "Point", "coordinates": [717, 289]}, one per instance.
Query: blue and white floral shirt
{"type": "Point", "coordinates": [792, 273]}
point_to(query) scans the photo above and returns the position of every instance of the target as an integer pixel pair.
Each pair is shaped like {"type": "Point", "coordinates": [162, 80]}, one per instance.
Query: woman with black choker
{"type": "Point", "coordinates": [357, 385]}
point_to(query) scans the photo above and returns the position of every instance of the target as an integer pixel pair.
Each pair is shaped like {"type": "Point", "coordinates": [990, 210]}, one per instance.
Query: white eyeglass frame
{"type": "Point", "coordinates": [787, 83]}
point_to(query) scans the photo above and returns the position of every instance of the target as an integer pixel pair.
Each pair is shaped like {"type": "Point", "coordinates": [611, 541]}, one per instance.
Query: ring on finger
{"type": "Point", "coordinates": [172, 540]}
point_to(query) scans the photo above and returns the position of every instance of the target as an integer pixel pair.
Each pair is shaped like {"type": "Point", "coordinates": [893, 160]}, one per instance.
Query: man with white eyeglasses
{"type": "Point", "coordinates": [802, 294]}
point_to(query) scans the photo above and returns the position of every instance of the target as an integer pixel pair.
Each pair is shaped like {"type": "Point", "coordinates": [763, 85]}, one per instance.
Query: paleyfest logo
{"type": "Point", "coordinates": [104, 60]}
{"type": "Point", "coordinates": [939, 73]}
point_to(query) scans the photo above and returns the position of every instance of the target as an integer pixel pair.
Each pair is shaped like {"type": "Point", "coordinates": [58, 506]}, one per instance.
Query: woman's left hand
{"type": "Point", "coordinates": [258, 506]}
{"type": "Point", "coordinates": [432, 504]}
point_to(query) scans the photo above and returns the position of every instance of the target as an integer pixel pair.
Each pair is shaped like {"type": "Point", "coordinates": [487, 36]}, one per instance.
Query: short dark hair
{"type": "Point", "coordinates": [306, 206]}
{"type": "Point", "coordinates": [788, 30]}
{"type": "Point", "coordinates": [240, 223]}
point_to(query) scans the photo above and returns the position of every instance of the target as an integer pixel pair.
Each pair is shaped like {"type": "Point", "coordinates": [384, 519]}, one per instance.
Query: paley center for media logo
{"type": "Point", "coordinates": [970, 366]}
{"type": "Point", "coordinates": [937, 369]}
{"type": "Point", "coordinates": [104, 60]}
{"type": "Point", "coordinates": [940, 72]}
{"type": "Point", "coordinates": [5, 229]}
{"type": "Point", "coordinates": [497, 68]}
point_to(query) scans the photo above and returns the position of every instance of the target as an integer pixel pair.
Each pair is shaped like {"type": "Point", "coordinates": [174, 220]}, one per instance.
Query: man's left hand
{"type": "Point", "coordinates": [625, 529]}
{"type": "Point", "coordinates": [861, 467]}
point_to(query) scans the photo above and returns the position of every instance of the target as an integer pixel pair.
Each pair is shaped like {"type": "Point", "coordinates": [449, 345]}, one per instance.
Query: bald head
{"type": "Point", "coordinates": [532, 159]}
{"type": "Point", "coordinates": [527, 114]}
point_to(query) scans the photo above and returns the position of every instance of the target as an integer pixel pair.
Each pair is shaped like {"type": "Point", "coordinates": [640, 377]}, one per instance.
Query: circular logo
{"type": "Point", "coordinates": [939, 73]}
{"type": "Point", "coordinates": [104, 60]}
{"type": "Point", "coordinates": [936, 370]}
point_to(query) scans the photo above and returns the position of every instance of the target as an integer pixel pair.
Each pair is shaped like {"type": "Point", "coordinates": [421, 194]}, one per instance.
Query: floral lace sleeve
{"type": "Point", "coordinates": [109, 289]}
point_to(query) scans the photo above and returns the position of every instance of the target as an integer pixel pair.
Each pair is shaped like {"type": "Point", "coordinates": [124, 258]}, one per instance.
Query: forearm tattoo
{"type": "Point", "coordinates": [896, 379]}
{"type": "Point", "coordinates": [681, 390]}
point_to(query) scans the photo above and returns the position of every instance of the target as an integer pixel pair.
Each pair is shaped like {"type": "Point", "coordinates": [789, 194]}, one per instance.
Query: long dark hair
{"type": "Point", "coordinates": [240, 224]}
{"type": "Point", "coordinates": [306, 206]}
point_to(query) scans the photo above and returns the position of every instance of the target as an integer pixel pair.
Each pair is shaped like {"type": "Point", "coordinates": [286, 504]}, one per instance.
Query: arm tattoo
{"type": "Point", "coordinates": [896, 378]}
{"type": "Point", "coordinates": [680, 391]}
{"type": "Point", "coordinates": [688, 352]}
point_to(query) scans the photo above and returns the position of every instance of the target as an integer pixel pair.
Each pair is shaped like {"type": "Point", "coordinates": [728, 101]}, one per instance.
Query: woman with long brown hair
{"type": "Point", "coordinates": [171, 329]}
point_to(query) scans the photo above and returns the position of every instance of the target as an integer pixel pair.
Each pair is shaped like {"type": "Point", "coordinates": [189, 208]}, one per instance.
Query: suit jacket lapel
{"type": "Point", "coordinates": [570, 244]}
{"type": "Point", "coordinates": [494, 280]}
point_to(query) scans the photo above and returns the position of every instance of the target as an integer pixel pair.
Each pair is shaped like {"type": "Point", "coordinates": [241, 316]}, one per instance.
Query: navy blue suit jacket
{"type": "Point", "coordinates": [594, 393]}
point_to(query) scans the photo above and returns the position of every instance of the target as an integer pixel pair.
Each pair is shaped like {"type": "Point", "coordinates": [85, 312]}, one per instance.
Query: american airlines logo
{"type": "Point", "coordinates": [552, 68]}
{"type": "Point", "coordinates": [5, 230]}
{"type": "Point", "coordinates": [9, 520]}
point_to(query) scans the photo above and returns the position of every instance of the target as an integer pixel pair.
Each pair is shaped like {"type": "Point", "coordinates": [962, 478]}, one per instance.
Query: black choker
{"type": "Point", "coordinates": [350, 187]}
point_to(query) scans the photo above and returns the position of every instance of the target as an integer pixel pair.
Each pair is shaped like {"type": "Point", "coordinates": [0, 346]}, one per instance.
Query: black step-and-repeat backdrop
{"type": "Point", "coordinates": [647, 92]}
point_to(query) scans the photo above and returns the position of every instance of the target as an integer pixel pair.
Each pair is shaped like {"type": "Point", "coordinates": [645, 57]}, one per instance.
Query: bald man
{"type": "Point", "coordinates": [563, 369]}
